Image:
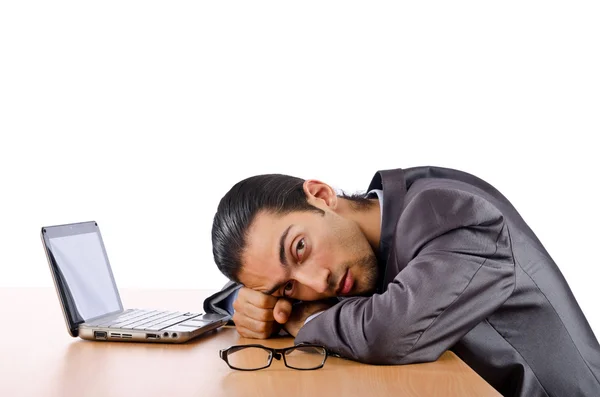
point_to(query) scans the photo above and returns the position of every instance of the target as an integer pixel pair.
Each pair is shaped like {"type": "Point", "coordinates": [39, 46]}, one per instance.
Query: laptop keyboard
{"type": "Point", "coordinates": [149, 320]}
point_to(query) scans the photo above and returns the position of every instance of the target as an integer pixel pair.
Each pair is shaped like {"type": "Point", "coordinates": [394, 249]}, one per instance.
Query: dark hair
{"type": "Point", "coordinates": [358, 201]}
{"type": "Point", "coordinates": [280, 194]}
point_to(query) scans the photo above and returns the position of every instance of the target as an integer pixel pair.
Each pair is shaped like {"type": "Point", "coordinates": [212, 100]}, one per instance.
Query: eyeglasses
{"type": "Point", "coordinates": [254, 357]}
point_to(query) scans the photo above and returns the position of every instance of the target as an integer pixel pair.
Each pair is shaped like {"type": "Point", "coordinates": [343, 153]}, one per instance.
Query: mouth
{"type": "Point", "coordinates": [346, 284]}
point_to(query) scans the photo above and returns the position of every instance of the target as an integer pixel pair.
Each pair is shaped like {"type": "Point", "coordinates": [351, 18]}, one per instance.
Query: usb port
{"type": "Point", "coordinates": [100, 335]}
{"type": "Point", "coordinates": [152, 336]}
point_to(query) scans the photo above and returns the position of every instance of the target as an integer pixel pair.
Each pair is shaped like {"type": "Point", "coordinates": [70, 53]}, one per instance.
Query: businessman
{"type": "Point", "coordinates": [429, 259]}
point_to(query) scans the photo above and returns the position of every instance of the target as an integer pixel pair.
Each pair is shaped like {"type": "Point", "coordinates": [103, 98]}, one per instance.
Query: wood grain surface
{"type": "Point", "coordinates": [39, 358]}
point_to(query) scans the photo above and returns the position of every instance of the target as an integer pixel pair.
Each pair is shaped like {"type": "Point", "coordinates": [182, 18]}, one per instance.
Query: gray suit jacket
{"type": "Point", "coordinates": [461, 270]}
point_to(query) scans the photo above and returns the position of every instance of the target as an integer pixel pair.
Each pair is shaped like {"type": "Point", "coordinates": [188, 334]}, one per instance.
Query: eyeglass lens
{"type": "Point", "coordinates": [305, 357]}
{"type": "Point", "coordinates": [249, 358]}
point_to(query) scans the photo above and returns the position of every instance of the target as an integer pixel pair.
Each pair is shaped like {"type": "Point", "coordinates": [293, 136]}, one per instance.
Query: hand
{"type": "Point", "coordinates": [258, 315]}
{"type": "Point", "coordinates": [302, 311]}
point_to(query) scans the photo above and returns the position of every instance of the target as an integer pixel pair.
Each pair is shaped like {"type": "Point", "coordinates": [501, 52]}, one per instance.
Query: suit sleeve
{"type": "Point", "coordinates": [461, 271]}
{"type": "Point", "coordinates": [221, 302]}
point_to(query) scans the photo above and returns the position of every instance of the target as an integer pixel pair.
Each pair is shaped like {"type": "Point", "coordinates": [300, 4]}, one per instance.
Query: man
{"type": "Point", "coordinates": [430, 259]}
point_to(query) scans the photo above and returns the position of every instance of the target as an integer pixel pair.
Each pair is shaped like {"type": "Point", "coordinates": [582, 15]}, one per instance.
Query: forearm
{"type": "Point", "coordinates": [428, 307]}
{"type": "Point", "coordinates": [394, 329]}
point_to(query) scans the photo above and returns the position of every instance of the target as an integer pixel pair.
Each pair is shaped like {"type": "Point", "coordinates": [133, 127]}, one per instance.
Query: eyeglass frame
{"type": "Point", "coordinates": [276, 353]}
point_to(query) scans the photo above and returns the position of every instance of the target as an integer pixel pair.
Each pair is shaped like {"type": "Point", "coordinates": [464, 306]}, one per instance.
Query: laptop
{"type": "Point", "coordinates": [90, 299]}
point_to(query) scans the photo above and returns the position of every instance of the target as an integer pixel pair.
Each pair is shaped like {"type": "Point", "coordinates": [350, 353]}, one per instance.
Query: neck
{"type": "Point", "coordinates": [368, 219]}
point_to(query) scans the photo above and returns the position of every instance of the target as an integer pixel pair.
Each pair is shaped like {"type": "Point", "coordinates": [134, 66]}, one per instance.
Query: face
{"type": "Point", "coordinates": [308, 256]}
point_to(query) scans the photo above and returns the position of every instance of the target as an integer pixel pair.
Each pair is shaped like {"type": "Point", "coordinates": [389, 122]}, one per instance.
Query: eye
{"type": "Point", "coordinates": [288, 288]}
{"type": "Point", "coordinates": [300, 247]}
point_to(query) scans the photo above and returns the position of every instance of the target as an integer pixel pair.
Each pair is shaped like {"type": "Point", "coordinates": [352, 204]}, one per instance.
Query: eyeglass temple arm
{"type": "Point", "coordinates": [283, 350]}
{"type": "Point", "coordinates": [223, 353]}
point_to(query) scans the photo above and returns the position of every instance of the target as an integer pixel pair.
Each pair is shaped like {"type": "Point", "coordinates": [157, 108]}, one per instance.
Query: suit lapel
{"type": "Point", "coordinates": [393, 184]}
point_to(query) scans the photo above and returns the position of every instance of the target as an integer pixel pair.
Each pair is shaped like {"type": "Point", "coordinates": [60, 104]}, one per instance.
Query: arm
{"type": "Point", "coordinates": [462, 271]}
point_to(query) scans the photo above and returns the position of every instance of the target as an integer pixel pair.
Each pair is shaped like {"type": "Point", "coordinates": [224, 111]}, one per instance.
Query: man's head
{"type": "Point", "coordinates": [289, 237]}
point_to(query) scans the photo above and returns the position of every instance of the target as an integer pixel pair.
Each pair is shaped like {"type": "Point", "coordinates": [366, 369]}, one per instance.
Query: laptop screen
{"type": "Point", "coordinates": [82, 271]}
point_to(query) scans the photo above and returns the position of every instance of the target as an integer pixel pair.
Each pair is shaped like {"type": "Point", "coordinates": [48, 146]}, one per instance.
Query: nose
{"type": "Point", "coordinates": [316, 278]}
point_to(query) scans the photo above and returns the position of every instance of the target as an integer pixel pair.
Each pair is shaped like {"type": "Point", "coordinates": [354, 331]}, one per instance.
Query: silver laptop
{"type": "Point", "coordinates": [90, 299]}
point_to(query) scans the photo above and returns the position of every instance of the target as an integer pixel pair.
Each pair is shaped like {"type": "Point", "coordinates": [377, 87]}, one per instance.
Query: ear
{"type": "Point", "coordinates": [319, 192]}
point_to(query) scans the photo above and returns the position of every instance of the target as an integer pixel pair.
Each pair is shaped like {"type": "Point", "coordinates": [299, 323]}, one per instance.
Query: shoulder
{"type": "Point", "coordinates": [434, 207]}
{"type": "Point", "coordinates": [455, 200]}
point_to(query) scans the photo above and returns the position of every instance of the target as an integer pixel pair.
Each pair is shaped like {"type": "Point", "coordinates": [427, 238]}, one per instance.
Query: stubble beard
{"type": "Point", "coordinates": [366, 277]}
{"type": "Point", "coordinates": [368, 281]}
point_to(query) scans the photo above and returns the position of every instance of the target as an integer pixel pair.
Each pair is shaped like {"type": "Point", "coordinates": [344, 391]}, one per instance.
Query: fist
{"type": "Point", "coordinates": [303, 310]}
{"type": "Point", "coordinates": [258, 315]}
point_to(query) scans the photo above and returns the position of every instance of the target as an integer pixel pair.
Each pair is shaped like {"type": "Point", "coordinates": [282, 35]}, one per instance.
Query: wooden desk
{"type": "Point", "coordinates": [39, 358]}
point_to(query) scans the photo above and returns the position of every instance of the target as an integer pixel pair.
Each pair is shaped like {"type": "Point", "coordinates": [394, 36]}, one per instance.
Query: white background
{"type": "Point", "coordinates": [141, 115]}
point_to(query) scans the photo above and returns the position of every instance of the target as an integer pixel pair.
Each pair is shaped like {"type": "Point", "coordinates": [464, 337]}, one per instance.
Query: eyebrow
{"type": "Point", "coordinates": [282, 258]}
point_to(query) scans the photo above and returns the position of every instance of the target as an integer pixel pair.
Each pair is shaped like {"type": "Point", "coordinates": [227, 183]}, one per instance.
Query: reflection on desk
{"type": "Point", "coordinates": [43, 360]}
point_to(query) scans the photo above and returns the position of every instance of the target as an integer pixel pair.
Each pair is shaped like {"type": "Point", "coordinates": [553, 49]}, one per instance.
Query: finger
{"type": "Point", "coordinates": [262, 327]}
{"type": "Point", "coordinates": [242, 306]}
{"type": "Point", "coordinates": [248, 309]}
{"type": "Point", "coordinates": [248, 333]}
{"type": "Point", "coordinates": [257, 298]}
{"type": "Point", "coordinates": [257, 313]}
{"type": "Point", "coordinates": [282, 310]}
